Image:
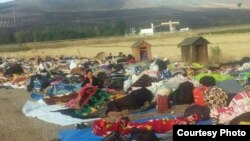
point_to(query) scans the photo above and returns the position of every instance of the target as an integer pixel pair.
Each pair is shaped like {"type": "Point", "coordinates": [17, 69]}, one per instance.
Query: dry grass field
{"type": "Point", "coordinates": [233, 45]}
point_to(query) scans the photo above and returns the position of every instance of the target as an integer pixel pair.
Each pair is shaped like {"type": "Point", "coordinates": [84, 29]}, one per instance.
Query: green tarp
{"type": "Point", "coordinates": [218, 77]}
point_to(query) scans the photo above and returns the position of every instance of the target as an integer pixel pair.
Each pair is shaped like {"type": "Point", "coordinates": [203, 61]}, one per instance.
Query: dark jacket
{"type": "Point", "coordinates": [95, 82]}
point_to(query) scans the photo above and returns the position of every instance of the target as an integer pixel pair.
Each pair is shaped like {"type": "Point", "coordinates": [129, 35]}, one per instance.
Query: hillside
{"type": "Point", "coordinates": [97, 5]}
{"type": "Point", "coordinates": [139, 18]}
{"type": "Point", "coordinates": [187, 4]}
{"type": "Point", "coordinates": [232, 4]}
{"type": "Point", "coordinates": [50, 12]}
{"type": "Point", "coordinates": [25, 20]}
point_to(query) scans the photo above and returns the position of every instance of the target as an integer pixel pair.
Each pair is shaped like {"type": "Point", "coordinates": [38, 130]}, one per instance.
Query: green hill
{"type": "Point", "coordinates": [46, 20]}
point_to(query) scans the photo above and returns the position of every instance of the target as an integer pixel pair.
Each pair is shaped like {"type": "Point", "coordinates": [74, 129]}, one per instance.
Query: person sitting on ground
{"type": "Point", "coordinates": [39, 60]}
{"type": "Point", "coordinates": [1, 60]}
{"type": "Point", "coordinates": [109, 58]}
{"type": "Point", "coordinates": [167, 61]}
{"type": "Point", "coordinates": [121, 55]}
{"type": "Point", "coordinates": [91, 79]}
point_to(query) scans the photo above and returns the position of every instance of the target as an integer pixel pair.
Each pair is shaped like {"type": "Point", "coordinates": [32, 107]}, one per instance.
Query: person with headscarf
{"type": "Point", "coordinates": [91, 79]}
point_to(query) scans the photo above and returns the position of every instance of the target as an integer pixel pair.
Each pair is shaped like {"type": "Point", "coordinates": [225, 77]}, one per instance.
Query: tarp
{"type": "Point", "coordinates": [36, 96]}
{"type": "Point", "coordinates": [218, 77]}
{"type": "Point", "coordinates": [62, 88]}
{"type": "Point", "coordinates": [46, 113]}
{"type": "Point", "coordinates": [242, 71]}
{"type": "Point", "coordinates": [244, 75]}
{"type": "Point", "coordinates": [78, 135]}
{"type": "Point", "coordinates": [231, 86]}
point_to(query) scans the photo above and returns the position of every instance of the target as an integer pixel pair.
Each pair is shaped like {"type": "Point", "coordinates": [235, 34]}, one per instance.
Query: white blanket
{"type": "Point", "coordinates": [14, 86]}
{"type": "Point", "coordinates": [45, 112]}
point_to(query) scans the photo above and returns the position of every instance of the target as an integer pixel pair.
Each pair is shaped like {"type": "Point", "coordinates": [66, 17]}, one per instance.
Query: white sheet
{"type": "Point", "coordinates": [45, 112]}
{"type": "Point", "coordinates": [14, 86]}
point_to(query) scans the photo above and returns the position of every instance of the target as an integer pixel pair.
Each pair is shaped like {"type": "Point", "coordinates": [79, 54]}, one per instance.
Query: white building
{"type": "Point", "coordinates": [185, 29]}
{"type": "Point", "coordinates": [147, 31]}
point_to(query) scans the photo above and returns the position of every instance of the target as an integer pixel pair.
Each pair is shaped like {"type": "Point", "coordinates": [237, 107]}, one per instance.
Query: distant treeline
{"type": "Point", "coordinates": [51, 26]}
{"type": "Point", "coordinates": [61, 32]}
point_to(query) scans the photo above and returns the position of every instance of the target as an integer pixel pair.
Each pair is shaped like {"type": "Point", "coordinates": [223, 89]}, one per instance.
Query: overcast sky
{"type": "Point", "coordinates": [1, 1]}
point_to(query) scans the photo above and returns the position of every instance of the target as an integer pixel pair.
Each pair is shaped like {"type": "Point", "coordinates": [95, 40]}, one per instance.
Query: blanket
{"type": "Point", "coordinates": [62, 88]}
{"type": "Point", "coordinates": [46, 113]}
{"type": "Point", "coordinates": [87, 134]}
{"type": "Point", "coordinates": [83, 96]}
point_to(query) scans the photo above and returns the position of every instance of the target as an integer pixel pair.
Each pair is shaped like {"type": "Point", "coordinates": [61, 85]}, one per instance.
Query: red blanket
{"type": "Point", "coordinates": [83, 96]}
{"type": "Point", "coordinates": [103, 128]}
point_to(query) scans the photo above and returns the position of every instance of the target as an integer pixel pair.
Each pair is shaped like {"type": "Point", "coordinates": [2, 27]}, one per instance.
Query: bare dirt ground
{"type": "Point", "coordinates": [14, 126]}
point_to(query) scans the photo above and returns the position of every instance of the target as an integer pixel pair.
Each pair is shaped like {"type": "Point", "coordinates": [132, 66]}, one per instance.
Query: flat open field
{"type": "Point", "coordinates": [233, 45]}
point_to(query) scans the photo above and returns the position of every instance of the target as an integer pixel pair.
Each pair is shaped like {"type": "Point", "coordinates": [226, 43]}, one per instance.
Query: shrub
{"type": "Point", "coordinates": [216, 55]}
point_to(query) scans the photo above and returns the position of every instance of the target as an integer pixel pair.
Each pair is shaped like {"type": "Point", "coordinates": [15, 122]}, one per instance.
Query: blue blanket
{"type": "Point", "coordinates": [36, 96]}
{"type": "Point", "coordinates": [62, 88]}
{"type": "Point", "coordinates": [78, 135]}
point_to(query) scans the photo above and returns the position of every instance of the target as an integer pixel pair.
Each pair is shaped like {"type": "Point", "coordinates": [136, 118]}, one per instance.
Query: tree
{"type": "Point", "coordinates": [24, 36]}
{"type": "Point", "coordinates": [6, 36]}
{"type": "Point", "coordinates": [239, 4]}
{"type": "Point", "coordinates": [120, 27]}
{"type": "Point", "coordinates": [216, 55]}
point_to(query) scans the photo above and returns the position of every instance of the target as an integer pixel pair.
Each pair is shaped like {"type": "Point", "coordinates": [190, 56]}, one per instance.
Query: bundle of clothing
{"type": "Point", "coordinates": [135, 100]}
{"type": "Point", "coordinates": [235, 63]}
{"type": "Point", "coordinates": [88, 100]}
{"type": "Point", "coordinates": [124, 126]}
{"type": "Point", "coordinates": [14, 69]}
{"type": "Point", "coordinates": [240, 104]}
{"type": "Point", "coordinates": [183, 94]}
{"type": "Point", "coordinates": [62, 88]}
{"type": "Point", "coordinates": [38, 82]}
{"type": "Point", "coordinates": [243, 119]}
